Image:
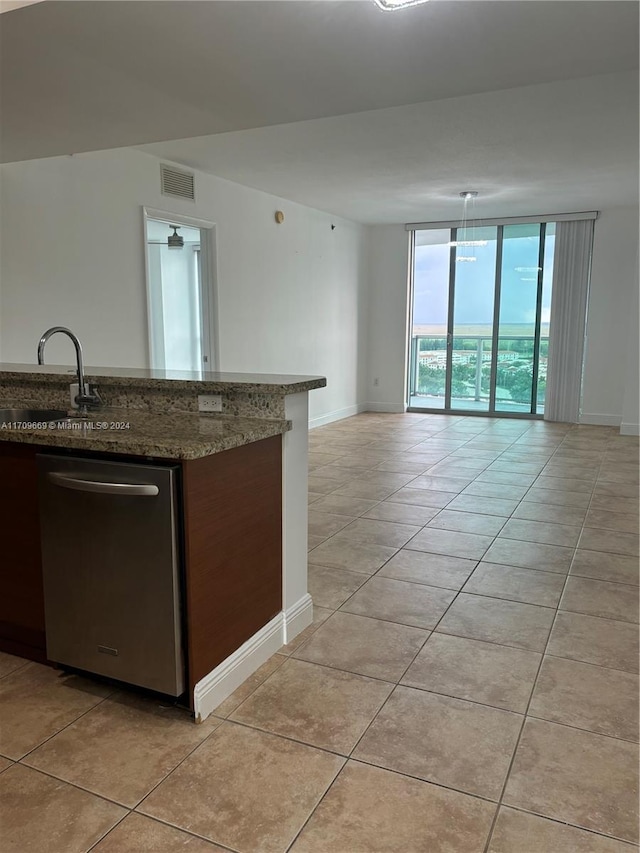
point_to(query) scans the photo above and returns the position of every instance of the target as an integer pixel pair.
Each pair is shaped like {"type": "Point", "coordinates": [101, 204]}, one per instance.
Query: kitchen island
{"type": "Point", "coordinates": [244, 474]}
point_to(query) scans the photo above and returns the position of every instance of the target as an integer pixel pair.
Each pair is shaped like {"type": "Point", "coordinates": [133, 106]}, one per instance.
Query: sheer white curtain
{"type": "Point", "coordinates": [572, 264]}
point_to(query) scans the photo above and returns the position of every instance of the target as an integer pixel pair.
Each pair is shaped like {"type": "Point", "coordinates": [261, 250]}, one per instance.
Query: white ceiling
{"type": "Point", "coordinates": [374, 116]}
{"type": "Point", "coordinates": [86, 75]}
{"type": "Point", "coordinates": [550, 148]}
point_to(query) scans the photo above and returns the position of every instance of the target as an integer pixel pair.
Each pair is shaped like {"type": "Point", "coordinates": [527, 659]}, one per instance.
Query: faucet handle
{"type": "Point", "coordinates": [90, 398]}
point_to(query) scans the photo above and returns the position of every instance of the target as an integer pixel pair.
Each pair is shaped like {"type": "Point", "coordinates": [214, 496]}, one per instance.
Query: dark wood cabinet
{"type": "Point", "coordinates": [231, 527]}
{"type": "Point", "coordinates": [21, 596]}
{"type": "Point", "coordinates": [233, 550]}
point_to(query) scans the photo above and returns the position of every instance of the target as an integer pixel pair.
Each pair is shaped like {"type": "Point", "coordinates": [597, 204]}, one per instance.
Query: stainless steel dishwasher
{"type": "Point", "coordinates": [111, 569]}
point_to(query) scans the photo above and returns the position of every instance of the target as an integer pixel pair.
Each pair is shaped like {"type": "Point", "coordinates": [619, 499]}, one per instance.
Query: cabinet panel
{"type": "Point", "coordinates": [21, 602]}
{"type": "Point", "coordinates": [233, 547]}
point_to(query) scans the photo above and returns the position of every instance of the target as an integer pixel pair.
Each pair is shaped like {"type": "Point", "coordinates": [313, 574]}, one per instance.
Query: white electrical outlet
{"type": "Point", "coordinates": [209, 403]}
{"type": "Point", "coordinates": [376, 381]}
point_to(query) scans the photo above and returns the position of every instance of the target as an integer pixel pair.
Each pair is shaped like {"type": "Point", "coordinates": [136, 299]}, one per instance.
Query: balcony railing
{"type": "Point", "coordinates": [516, 368]}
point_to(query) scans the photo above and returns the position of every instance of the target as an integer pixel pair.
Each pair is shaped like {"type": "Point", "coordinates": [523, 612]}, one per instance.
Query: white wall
{"type": "Point", "coordinates": [631, 403]}
{"type": "Point", "coordinates": [388, 317]}
{"type": "Point", "coordinates": [292, 297]}
{"type": "Point", "coordinates": [611, 359]}
{"type": "Point", "coordinates": [612, 320]}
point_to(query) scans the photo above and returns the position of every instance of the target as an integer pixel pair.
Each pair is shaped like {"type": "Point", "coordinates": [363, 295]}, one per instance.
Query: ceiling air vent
{"type": "Point", "coordinates": [177, 183]}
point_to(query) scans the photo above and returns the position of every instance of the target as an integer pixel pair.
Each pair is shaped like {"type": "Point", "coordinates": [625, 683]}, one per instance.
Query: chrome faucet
{"type": "Point", "coordinates": [87, 394]}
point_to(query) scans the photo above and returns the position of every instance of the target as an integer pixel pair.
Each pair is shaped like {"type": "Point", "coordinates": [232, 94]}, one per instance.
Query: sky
{"type": "Point", "coordinates": [475, 281]}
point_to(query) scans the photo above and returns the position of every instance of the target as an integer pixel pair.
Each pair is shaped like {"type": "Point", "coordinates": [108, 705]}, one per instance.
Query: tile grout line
{"type": "Point", "coordinates": [396, 684]}
{"type": "Point", "coordinates": [632, 846]}
{"type": "Point", "coordinates": [463, 636]}
{"type": "Point", "coordinates": [458, 592]}
{"type": "Point", "coordinates": [404, 547]}
{"type": "Point", "coordinates": [109, 831]}
{"type": "Point", "coordinates": [188, 832]}
{"type": "Point", "coordinates": [75, 785]}
{"type": "Point", "coordinates": [94, 793]}
{"type": "Point", "coordinates": [129, 809]}
{"type": "Point", "coordinates": [249, 695]}
{"type": "Point", "coordinates": [566, 576]}
{"type": "Point", "coordinates": [348, 758]}
{"type": "Point", "coordinates": [440, 509]}
{"type": "Point", "coordinates": [393, 685]}
{"type": "Point", "coordinates": [408, 485]}
{"type": "Point", "coordinates": [531, 694]}
{"type": "Point", "coordinates": [20, 666]}
{"type": "Point", "coordinates": [434, 629]}
{"type": "Point", "coordinates": [65, 727]}
{"type": "Point", "coordinates": [395, 773]}
{"type": "Point", "coordinates": [228, 720]}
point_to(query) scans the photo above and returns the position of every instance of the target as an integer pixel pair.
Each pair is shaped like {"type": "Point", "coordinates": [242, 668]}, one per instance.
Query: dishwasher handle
{"type": "Point", "coordinates": [128, 489]}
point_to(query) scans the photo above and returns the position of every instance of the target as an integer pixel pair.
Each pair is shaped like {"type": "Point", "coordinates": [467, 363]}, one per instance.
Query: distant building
{"type": "Point", "coordinates": [438, 358]}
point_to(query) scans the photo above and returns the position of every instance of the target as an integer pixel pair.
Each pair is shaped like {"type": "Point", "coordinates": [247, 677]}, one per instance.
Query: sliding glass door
{"type": "Point", "coordinates": [480, 319]}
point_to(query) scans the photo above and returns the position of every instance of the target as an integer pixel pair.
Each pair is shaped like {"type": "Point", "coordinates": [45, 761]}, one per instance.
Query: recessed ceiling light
{"type": "Point", "coordinates": [392, 5]}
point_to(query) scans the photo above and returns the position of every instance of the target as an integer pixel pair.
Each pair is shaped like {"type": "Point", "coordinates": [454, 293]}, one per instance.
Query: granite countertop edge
{"type": "Point", "coordinates": [130, 378]}
{"type": "Point", "coordinates": [146, 435]}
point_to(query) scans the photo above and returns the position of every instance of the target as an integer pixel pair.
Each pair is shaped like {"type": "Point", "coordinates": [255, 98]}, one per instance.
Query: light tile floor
{"type": "Point", "coordinates": [469, 683]}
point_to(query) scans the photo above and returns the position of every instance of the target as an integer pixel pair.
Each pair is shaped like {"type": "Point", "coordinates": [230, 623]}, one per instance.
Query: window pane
{"type": "Point", "coordinates": [473, 321]}
{"type": "Point", "coordinates": [517, 319]}
{"type": "Point", "coordinates": [429, 327]}
{"type": "Point", "coordinates": [468, 285]}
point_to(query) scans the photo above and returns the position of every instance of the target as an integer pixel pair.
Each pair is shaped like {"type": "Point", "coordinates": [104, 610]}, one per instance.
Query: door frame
{"type": "Point", "coordinates": [208, 281]}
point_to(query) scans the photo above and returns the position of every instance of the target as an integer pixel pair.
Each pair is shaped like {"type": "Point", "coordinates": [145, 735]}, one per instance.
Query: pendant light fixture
{"type": "Point", "coordinates": [466, 234]}
{"type": "Point", "coordinates": [175, 241]}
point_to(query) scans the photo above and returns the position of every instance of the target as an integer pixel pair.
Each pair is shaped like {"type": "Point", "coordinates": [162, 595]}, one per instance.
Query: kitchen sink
{"type": "Point", "coordinates": [30, 416]}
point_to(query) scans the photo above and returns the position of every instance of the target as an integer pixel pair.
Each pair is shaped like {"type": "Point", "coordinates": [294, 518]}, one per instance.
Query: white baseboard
{"type": "Point", "coordinates": [391, 408]}
{"type": "Point", "coordinates": [596, 419]}
{"type": "Point", "coordinates": [297, 618]}
{"type": "Point", "coordinates": [629, 429]}
{"type": "Point", "coordinates": [338, 415]}
{"type": "Point", "coordinates": [214, 688]}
